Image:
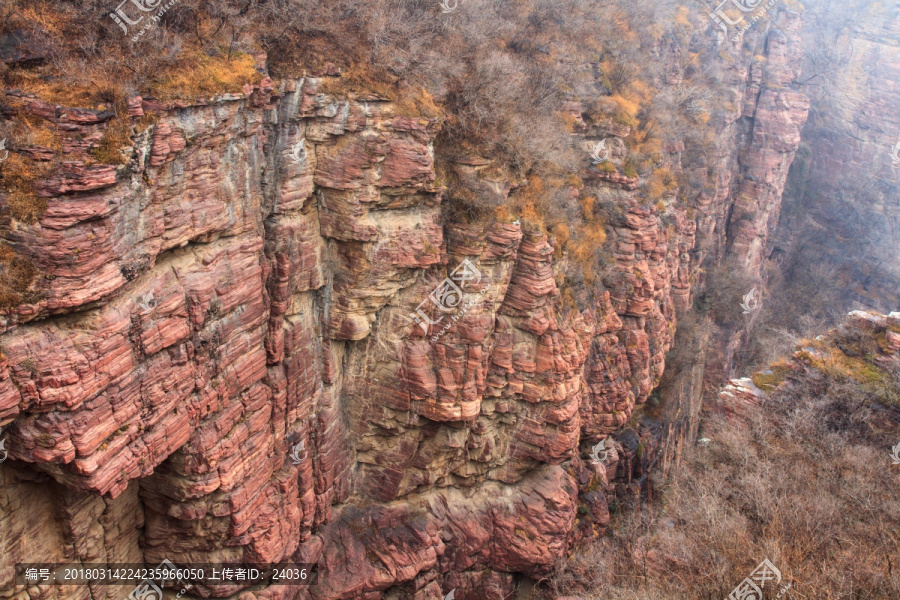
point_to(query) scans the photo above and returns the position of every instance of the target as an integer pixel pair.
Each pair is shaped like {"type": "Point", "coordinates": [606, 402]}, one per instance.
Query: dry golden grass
{"type": "Point", "coordinates": [607, 167]}
{"type": "Point", "coordinates": [768, 379]}
{"type": "Point", "coordinates": [359, 80]}
{"type": "Point", "coordinates": [116, 136]}
{"type": "Point", "coordinates": [16, 178]}
{"type": "Point", "coordinates": [94, 89]}
{"type": "Point", "coordinates": [417, 102]}
{"type": "Point", "coordinates": [661, 183]}
{"type": "Point", "coordinates": [196, 75]}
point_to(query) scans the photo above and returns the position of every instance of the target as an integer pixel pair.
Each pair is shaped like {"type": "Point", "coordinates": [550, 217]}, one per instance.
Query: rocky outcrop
{"type": "Point", "coordinates": [863, 350]}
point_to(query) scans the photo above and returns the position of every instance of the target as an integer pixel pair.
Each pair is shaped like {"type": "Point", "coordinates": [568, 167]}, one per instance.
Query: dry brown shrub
{"type": "Point", "coordinates": [199, 75]}
{"type": "Point", "coordinates": [805, 480]}
{"type": "Point", "coordinates": [16, 276]}
{"type": "Point", "coordinates": [16, 179]}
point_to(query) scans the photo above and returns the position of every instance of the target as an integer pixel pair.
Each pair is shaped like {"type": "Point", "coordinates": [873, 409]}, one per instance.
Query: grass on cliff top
{"type": "Point", "coordinates": [357, 81]}
{"type": "Point", "coordinates": [189, 76]}
{"type": "Point", "coordinates": [43, 81]}
{"type": "Point", "coordinates": [196, 75]}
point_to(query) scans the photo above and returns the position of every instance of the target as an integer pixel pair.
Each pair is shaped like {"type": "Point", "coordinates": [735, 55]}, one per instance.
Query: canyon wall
{"type": "Point", "coordinates": [837, 243]}
{"type": "Point", "coordinates": [263, 339]}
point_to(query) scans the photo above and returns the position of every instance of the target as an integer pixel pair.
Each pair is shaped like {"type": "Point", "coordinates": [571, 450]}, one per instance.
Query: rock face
{"type": "Point", "coordinates": [226, 364]}
{"type": "Point", "coordinates": [737, 215]}
{"type": "Point", "coordinates": [842, 196]}
{"type": "Point", "coordinates": [261, 341]}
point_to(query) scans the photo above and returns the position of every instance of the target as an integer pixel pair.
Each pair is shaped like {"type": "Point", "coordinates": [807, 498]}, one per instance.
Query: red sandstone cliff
{"type": "Point", "coordinates": [229, 294]}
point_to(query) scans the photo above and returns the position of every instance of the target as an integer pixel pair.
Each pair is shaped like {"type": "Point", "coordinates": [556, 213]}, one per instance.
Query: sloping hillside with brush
{"type": "Point", "coordinates": [799, 464]}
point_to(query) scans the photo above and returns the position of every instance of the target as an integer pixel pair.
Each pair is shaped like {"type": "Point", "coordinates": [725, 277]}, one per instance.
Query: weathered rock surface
{"type": "Point", "coordinates": [273, 269]}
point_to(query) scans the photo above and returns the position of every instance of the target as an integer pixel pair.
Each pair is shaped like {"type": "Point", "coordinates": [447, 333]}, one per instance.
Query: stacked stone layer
{"type": "Point", "coordinates": [245, 285]}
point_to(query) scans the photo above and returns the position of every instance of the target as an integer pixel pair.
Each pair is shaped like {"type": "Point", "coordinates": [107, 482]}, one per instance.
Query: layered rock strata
{"type": "Point", "coordinates": [260, 340]}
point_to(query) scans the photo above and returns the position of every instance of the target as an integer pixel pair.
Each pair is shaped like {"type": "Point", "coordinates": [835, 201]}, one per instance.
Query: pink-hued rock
{"type": "Point", "coordinates": [166, 142]}
{"type": "Point", "coordinates": [498, 527]}
{"type": "Point", "coordinates": [239, 348]}
{"type": "Point", "coordinates": [628, 183]}
{"type": "Point", "coordinates": [778, 113]}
